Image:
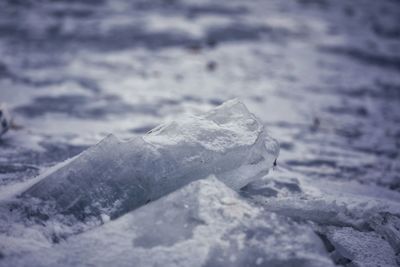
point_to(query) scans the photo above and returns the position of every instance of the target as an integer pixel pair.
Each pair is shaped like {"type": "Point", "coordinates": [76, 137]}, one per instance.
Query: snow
{"type": "Point", "coordinates": [321, 76]}
{"type": "Point", "coordinates": [360, 222]}
{"type": "Point", "coordinates": [114, 177]}
{"type": "Point", "coordinates": [204, 223]}
{"type": "Point", "coordinates": [366, 249]}
{"type": "Point", "coordinates": [96, 204]}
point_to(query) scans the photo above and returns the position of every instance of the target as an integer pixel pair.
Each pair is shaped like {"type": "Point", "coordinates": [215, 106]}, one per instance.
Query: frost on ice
{"type": "Point", "coordinates": [196, 221]}
{"type": "Point", "coordinates": [114, 177]}
{"type": "Point", "coordinates": [359, 224]}
{"type": "Point", "coordinates": [204, 223]}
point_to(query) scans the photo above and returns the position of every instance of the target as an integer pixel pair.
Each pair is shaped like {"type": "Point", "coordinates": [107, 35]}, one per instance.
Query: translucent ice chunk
{"type": "Point", "coordinates": [114, 177]}
{"type": "Point", "coordinates": [203, 224]}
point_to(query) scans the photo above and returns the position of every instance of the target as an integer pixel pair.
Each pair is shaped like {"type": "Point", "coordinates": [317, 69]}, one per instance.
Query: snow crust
{"type": "Point", "coordinates": [362, 249]}
{"type": "Point", "coordinates": [323, 75]}
{"type": "Point", "coordinates": [190, 220]}
{"type": "Point", "coordinates": [358, 223]}
{"type": "Point", "coordinates": [203, 224]}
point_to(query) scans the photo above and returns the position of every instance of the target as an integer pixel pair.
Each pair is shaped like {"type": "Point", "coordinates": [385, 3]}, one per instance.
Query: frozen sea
{"type": "Point", "coordinates": [322, 76]}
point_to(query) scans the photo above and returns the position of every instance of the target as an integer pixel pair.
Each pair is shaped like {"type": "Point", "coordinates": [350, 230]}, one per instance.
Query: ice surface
{"type": "Point", "coordinates": [324, 75]}
{"type": "Point", "coordinates": [204, 223]}
{"type": "Point", "coordinates": [114, 177]}
{"type": "Point", "coordinates": [359, 223]}
{"type": "Point", "coordinates": [363, 249]}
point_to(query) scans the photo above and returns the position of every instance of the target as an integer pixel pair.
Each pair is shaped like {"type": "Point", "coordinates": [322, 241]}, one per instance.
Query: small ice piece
{"type": "Point", "coordinates": [204, 223]}
{"type": "Point", "coordinates": [114, 177]}
{"type": "Point", "coordinates": [363, 249]}
{"type": "Point", "coordinates": [5, 119]}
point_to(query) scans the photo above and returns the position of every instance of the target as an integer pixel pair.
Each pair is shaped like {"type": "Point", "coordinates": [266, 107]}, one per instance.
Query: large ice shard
{"type": "Point", "coordinates": [204, 223]}
{"type": "Point", "coordinates": [114, 177]}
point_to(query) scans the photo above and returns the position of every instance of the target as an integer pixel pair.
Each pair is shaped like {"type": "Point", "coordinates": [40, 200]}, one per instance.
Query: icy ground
{"type": "Point", "coordinates": [323, 76]}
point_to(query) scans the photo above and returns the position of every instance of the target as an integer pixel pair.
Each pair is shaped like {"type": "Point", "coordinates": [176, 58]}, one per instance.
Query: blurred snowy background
{"type": "Point", "coordinates": [324, 77]}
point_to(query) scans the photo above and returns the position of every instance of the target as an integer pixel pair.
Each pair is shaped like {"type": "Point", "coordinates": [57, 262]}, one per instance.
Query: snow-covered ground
{"type": "Point", "coordinates": [322, 76]}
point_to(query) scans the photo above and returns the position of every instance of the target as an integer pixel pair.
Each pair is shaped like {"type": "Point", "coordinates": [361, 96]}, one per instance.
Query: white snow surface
{"type": "Point", "coordinates": [91, 210]}
{"type": "Point", "coordinates": [321, 75]}
{"type": "Point", "coordinates": [203, 224]}
{"type": "Point", "coordinates": [359, 223]}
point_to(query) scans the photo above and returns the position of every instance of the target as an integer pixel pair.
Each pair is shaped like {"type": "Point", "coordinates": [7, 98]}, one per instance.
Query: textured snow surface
{"type": "Point", "coordinates": [114, 177]}
{"type": "Point", "coordinates": [359, 224]}
{"type": "Point", "coordinates": [362, 249]}
{"type": "Point", "coordinates": [203, 224]}
{"type": "Point", "coordinates": [321, 75]}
